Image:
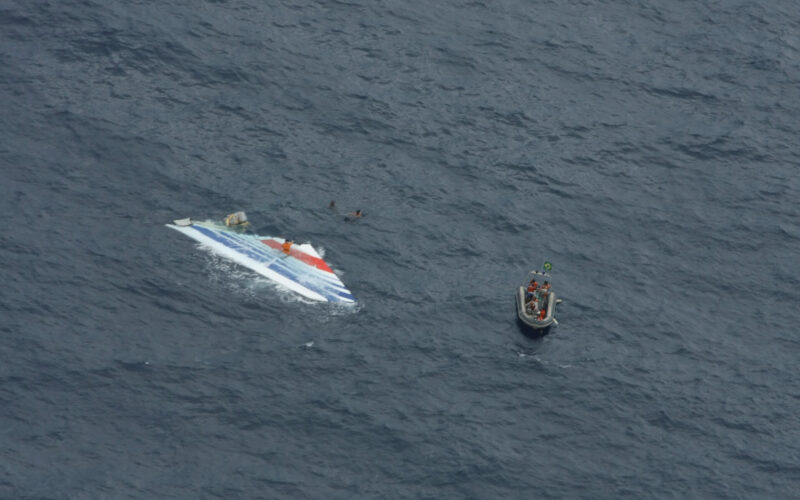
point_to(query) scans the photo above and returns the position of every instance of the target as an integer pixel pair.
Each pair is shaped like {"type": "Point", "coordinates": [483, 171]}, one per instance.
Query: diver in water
{"type": "Point", "coordinates": [354, 215]}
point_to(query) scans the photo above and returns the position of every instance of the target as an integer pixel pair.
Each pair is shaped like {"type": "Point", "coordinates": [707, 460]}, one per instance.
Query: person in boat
{"type": "Point", "coordinates": [544, 294]}
{"type": "Point", "coordinates": [533, 306]}
{"type": "Point", "coordinates": [287, 245]}
{"type": "Point", "coordinates": [532, 287]}
{"type": "Point", "coordinates": [542, 314]}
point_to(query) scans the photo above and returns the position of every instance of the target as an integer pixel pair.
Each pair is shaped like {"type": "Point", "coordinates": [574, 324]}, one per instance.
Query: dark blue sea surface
{"type": "Point", "coordinates": [647, 148]}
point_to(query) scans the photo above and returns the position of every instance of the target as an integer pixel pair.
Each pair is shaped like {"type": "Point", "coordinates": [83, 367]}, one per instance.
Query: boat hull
{"type": "Point", "coordinates": [539, 325]}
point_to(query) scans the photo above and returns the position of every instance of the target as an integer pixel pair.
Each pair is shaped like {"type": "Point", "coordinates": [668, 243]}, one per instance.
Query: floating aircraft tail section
{"type": "Point", "coordinates": [297, 267]}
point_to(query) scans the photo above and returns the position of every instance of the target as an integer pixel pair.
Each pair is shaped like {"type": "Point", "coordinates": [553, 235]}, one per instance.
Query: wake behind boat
{"type": "Point", "coordinates": [297, 267]}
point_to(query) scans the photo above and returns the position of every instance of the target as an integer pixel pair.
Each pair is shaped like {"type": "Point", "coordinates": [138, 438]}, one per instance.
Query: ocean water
{"type": "Point", "coordinates": [648, 149]}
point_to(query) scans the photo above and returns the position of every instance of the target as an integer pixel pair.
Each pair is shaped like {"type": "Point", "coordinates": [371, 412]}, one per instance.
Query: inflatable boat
{"type": "Point", "coordinates": [538, 321]}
